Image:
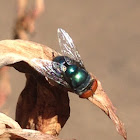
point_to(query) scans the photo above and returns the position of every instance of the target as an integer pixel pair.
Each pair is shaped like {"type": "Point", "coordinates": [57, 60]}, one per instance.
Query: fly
{"type": "Point", "coordinates": [68, 70]}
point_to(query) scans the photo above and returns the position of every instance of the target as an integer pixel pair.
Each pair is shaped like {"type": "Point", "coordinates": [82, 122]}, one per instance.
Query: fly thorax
{"type": "Point", "coordinates": [79, 78]}
{"type": "Point", "coordinates": [71, 70]}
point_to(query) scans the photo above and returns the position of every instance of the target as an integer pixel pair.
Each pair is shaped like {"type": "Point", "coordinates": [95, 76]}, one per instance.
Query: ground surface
{"type": "Point", "coordinates": [107, 34]}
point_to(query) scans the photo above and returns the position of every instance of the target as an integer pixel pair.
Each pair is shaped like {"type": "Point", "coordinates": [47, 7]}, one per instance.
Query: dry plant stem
{"type": "Point", "coordinates": [43, 106]}
{"type": "Point", "coordinates": [26, 20]}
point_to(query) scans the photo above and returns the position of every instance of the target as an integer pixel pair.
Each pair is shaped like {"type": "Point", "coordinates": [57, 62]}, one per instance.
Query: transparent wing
{"type": "Point", "coordinates": [46, 68]}
{"type": "Point", "coordinates": [67, 47]}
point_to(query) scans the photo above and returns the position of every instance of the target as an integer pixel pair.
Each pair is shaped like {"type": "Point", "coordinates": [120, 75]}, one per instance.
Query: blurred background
{"type": "Point", "coordinates": [107, 35]}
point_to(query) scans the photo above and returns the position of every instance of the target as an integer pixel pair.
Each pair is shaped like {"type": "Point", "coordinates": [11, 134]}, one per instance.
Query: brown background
{"type": "Point", "coordinates": [107, 34]}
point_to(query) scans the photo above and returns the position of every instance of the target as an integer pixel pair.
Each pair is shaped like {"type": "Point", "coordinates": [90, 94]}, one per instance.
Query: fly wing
{"type": "Point", "coordinates": [46, 68]}
{"type": "Point", "coordinates": [67, 47]}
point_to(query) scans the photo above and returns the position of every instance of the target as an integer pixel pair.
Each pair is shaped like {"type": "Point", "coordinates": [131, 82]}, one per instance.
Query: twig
{"type": "Point", "coordinates": [26, 20]}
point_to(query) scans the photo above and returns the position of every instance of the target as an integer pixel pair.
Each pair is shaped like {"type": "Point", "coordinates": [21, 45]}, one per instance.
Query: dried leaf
{"type": "Point", "coordinates": [21, 6]}
{"type": "Point", "coordinates": [34, 110]}
{"type": "Point", "coordinates": [103, 102]}
{"type": "Point", "coordinates": [41, 106]}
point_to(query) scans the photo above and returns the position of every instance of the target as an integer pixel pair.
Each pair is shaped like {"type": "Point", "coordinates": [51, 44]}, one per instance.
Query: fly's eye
{"type": "Point", "coordinates": [63, 68]}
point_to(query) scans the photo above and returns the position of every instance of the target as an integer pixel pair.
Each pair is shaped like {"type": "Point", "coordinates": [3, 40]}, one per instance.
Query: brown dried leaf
{"type": "Point", "coordinates": [103, 102]}
{"type": "Point", "coordinates": [17, 132]}
{"type": "Point", "coordinates": [34, 110]}
{"type": "Point", "coordinates": [42, 106]}
{"type": "Point", "coordinates": [39, 8]}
